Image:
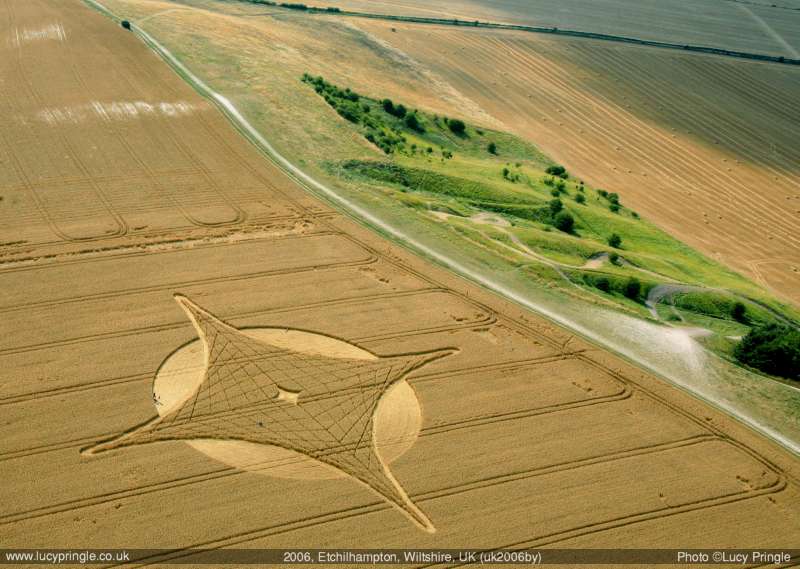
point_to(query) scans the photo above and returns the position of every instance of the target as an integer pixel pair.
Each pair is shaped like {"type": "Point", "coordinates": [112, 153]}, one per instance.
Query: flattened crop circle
{"type": "Point", "coordinates": [397, 424]}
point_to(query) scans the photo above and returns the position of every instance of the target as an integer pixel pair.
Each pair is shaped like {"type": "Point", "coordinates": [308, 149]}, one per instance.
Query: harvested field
{"type": "Point", "coordinates": [528, 435]}
{"type": "Point", "coordinates": [144, 176]}
{"type": "Point", "coordinates": [736, 25]}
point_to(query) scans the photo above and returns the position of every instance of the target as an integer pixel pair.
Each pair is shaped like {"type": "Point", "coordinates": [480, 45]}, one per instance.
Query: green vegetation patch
{"type": "Point", "coordinates": [774, 349]}
{"type": "Point", "coordinates": [433, 163]}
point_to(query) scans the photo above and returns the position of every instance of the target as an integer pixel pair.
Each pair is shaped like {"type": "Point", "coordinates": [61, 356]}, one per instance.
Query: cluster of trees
{"type": "Point", "coordinates": [456, 126]}
{"type": "Point", "coordinates": [296, 6]}
{"type": "Point", "coordinates": [560, 219]}
{"type": "Point", "coordinates": [351, 106]}
{"type": "Point", "coordinates": [398, 111]}
{"type": "Point", "coordinates": [773, 348]}
{"type": "Point", "coordinates": [630, 287]}
{"type": "Point", "coordinates": [559, 186]}
{"type": "Point", "coordinates": [613, 200]}
{"type": "Point", "coordinates": [558, 171]}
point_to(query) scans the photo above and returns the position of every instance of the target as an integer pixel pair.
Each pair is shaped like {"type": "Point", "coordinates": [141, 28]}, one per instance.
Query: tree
{"type": "Point", "coordinates": [615, 241]}
{"type": "Point", "coordinates": [632, 288]}
{"type": "Point", "coordinates": [564, 222]}
{"type": "Point", "coordinates": [559, 171]}
{"type": "Point", "coordinates": [388, 106]}
{"type": "Point", "coordinates": [580, 198]}
{"type": "Point", "coordinates": [739, 312]}
{"type": "Point", "coordinates": [492, 148]}
{"type": "Point", "coordinates": [412, 122]}
{"type": "Point", "coordinates": [603, 284]}
{"type": "Point", "coordinates": [773, 349]}
{"type": "Point", "coordinates": [613, 258]}
{"type": "Point", "coordinates": [555, 206]}
{"type": "Point", "coordinates": [457, 126]}
{"type": "Point", "coordinates": [505, 172]}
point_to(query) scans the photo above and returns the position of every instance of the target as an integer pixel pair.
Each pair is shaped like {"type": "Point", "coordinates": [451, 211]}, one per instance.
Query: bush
{"type": "Point", "coordinates": [580, 198]}
{"type": "Point", "coordinates": [559, 171]}
{"type": "Point", "coordinates": [615, 241]}
{"type": "Point", "coordinates": [739, 312]}
{"type": "Point", "coordinates": [613, 258]}
{"type": "Point", "coordinates": [388, 106]}
{"type": "Point", "coordinates": [457, 126]}
{"type": "Point", "coordinates": [412, 122]}
{"type": "Point", "coordinates": [555, 206]}
{"type": "Point", "coordinates": [564, 222]}
{"type": "Point", "coordinates": [603, 284]}
{"type": "Point", "coordinates": [492, 148]}
{"type": "Point", "coordinates": [347, 112]}
{"type": "Point", "coordinates": [773, 349]}
{"type": "Point", "coordinates": [632, 288]}
{"type": "Point", "coordinates": [614, 207]}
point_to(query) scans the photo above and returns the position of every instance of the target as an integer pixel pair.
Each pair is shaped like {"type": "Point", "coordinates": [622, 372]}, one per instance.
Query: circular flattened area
{"type": "Point", "coordinates": [398, 418]}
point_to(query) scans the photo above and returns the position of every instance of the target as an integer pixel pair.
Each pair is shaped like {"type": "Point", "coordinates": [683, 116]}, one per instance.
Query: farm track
{"type": "Point", "coordinates": [518, 373]}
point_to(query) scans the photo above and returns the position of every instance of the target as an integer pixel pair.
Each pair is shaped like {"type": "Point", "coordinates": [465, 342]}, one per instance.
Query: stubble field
{"type": "Point", "coordinates": [122, 188]}
{"type": "Point", "coordinates": [739, 25]}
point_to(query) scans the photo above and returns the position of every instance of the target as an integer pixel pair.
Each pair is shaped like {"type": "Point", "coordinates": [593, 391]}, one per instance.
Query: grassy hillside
{"type": "Point", "coordinates": [501, 194]}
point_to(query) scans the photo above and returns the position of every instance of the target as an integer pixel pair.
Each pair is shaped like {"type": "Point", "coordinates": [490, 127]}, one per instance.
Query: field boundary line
{"type": "Point", "coordinates": [134, 249]}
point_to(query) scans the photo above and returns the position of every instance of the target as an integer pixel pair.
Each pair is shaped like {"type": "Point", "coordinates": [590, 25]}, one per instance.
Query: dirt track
{"type": "Point", "coordinates": [528, 435]}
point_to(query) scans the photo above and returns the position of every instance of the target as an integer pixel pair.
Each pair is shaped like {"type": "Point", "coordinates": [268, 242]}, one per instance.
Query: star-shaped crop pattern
{"type": "Point", "coordinates": [319, 406]}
